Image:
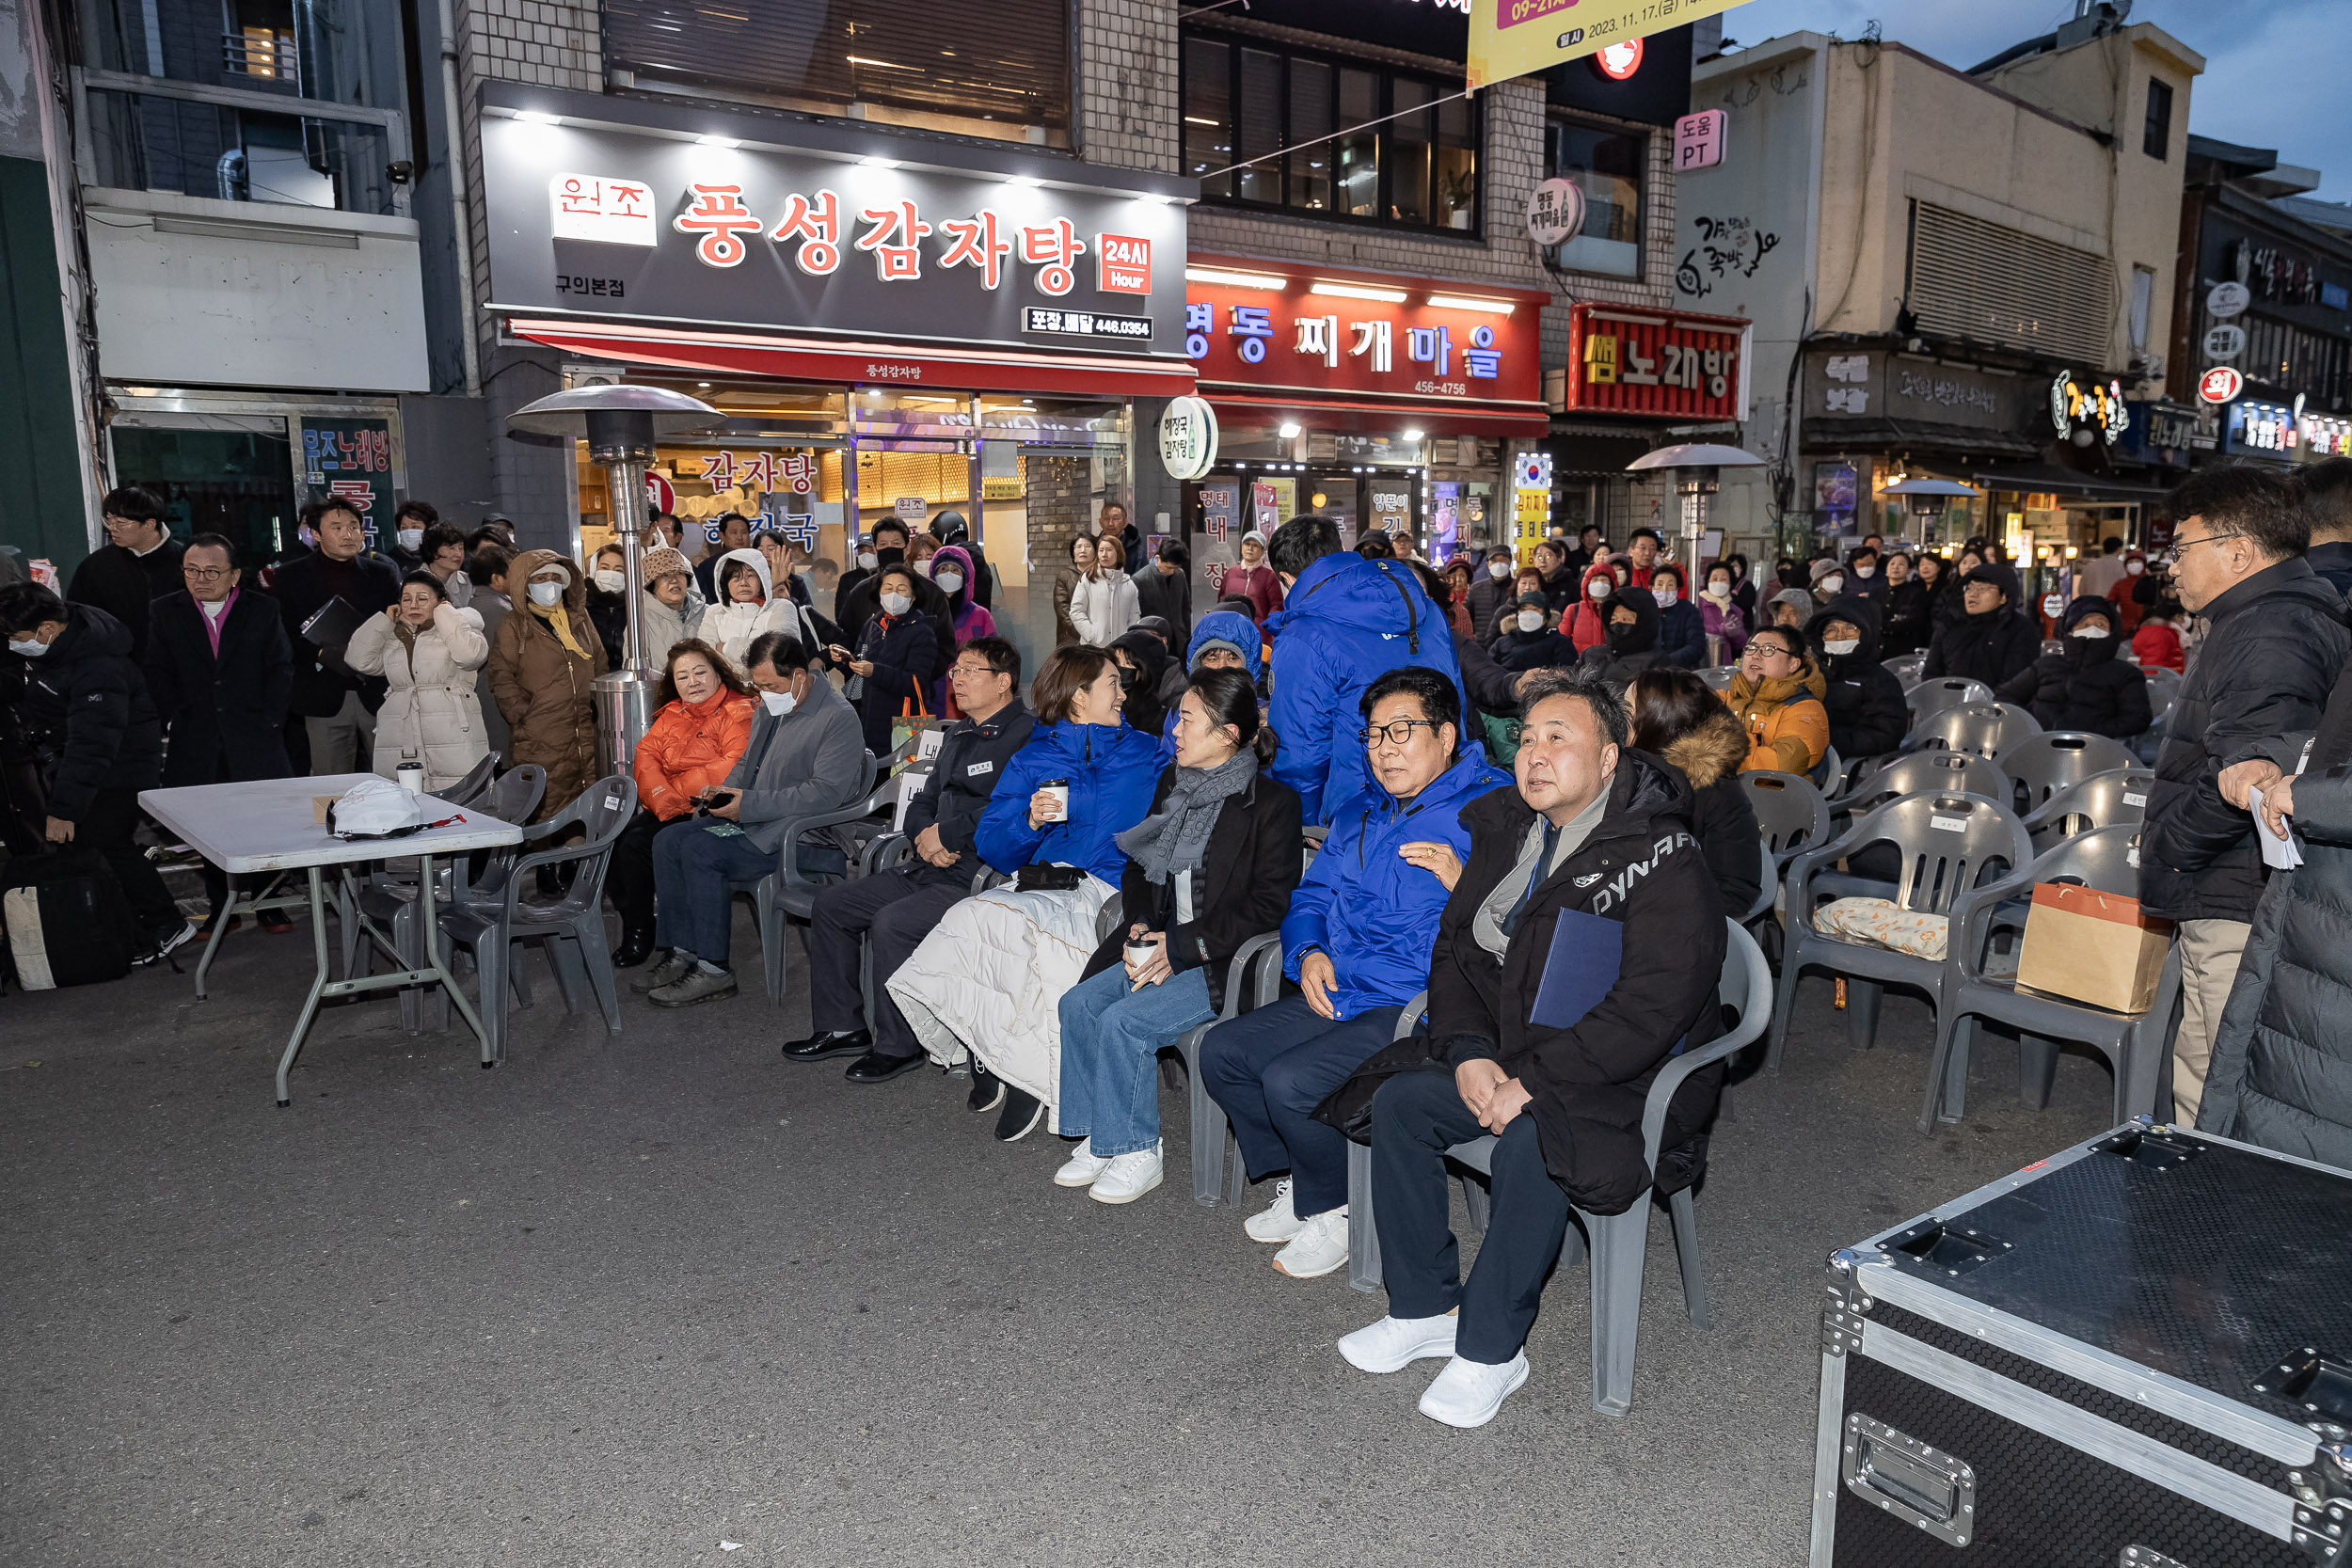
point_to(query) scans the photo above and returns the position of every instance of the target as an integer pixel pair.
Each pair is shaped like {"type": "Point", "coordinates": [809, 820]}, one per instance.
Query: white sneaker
{"type": "Point", "coordinates": [1468, 1393]}
{"type": "Point", "coordinates": [1320, 1246]}
{"type": "Point", "coordinates": [1393, 1344]}
{"type": "Point", "coordinates": [1127, 1177]}
{"type": "Point", "coordinates": [1083, 1167]}
{"type": "Point", "coordinates": [1279, 1221]}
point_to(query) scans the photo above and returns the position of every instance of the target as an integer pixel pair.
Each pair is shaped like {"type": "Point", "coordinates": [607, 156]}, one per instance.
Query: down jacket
{"type": "Point", "coordinates": [432, 708]}
{"type": "Point", "coordinates": [1587, 619]}
{"type": "Point", "coordinates": [1103, 605]}
{"type": "Point", "coordinates": [544, 691]}
{"type": "Point", "coordinates": [731, 627]}
{"type": "Point", "coordinates": [691, 747]}
{"type": "Point", "coordinates": [1346, 623]}
{"type": "Point", "coordinates": [1786, 723]}
{"type": "Point", "coordinates": [1642, 868]}
{"type": "Point", "coordinates": [1868, 716]}
{"type": "Point", "coordinates": [1112, 770]}
{"type": "Point", "coordinates": [1994, 646]}
{"type": "Point", "coordinates": [1369, 911]}
{"type": "Point", "coordinates": [2084, 687]}
{"type": "Point", "coordinates": [87, 687]}
{"type": "Point", "coordinates": [1722, 815]}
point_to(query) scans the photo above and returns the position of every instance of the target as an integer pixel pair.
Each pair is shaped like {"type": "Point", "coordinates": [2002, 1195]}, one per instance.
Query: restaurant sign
{"type": "Point", "coordinates": [1670, 364]}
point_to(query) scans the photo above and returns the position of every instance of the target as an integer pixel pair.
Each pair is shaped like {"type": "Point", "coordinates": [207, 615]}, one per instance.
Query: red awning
{"type": "Point", "coordinates": [1357, 415]}
{"type": "Point", "coordinates": [979, 369]}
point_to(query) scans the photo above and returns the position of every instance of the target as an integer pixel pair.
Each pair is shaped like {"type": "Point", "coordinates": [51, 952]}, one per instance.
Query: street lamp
{"type": "Point", "coordinates": [1925, 499]}
{"type": "Point", "coordinates": [1697, 469]}
{"type": "Point", "coordinates": [620, 424]}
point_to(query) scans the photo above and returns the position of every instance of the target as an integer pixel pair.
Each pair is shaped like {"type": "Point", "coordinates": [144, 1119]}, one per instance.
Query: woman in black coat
{"type": "Point", "coordinates": [2086, 688]}
{"type": "Point", "coordinates": [1867, 716]}
{"type": "Point", "coordinates": [1143, 663]}
{"type": "Point", "coordinates": [1631, 616]}
{"type": "Point", "coordinates": [1677, 716]}
{"type": "Point", "coordinates": [1531, 644]}
{"type": "Point", "coordinates": [896, 651]}
{"type": "Point", "coordinates": [1909, 604]}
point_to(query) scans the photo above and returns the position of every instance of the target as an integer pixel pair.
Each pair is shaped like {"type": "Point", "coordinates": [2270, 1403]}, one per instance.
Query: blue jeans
{"type": "Point", "coordinates": [692, 868]}
{"type": "Point", "coordinates": [1110, 1043]}
{"type": "Point", "coordinates": [1269, 1069]}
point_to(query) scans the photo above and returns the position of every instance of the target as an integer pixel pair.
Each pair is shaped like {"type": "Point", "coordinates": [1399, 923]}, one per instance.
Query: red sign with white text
{"type": "Point", "coordinates": [1623, 359]}
{"type": "Point", "coordinates": [1261, 329]}
{"type": "Point", "coordinates": [1123, 263]}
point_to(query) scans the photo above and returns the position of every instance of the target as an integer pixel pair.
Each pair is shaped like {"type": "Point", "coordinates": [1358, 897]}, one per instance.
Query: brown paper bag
{"type": "Point", "coordinates": [2084, 945]}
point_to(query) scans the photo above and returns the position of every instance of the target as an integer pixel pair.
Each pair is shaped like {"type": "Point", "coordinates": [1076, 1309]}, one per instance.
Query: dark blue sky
{"type": "Point", "coordinates": [2275, 72]}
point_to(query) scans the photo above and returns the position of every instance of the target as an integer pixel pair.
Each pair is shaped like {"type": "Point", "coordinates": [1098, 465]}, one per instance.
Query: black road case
{"type": "Point", "coordinates": [2137, 1354]}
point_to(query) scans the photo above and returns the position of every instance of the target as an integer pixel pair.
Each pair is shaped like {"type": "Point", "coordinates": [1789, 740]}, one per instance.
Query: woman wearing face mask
{"type": "Point", "coordinates": [1720, 614]}
{"type": "Point", "coordinates": [2085, 687]}
{"type": "Point", "coordinates": [1143, 663]}
{"type": "Point", "coordinates": [748, 607]}
{"type": "Point", "coordinates": [1253, 580]}
{"type": "Point", "coordinates": [428, 652]}
{"type": "Point", "coordinates": [1866, 713]}
{"type": "Point", "coordinates": [698, 734]}
{"type": "Point", "coordinates": [1587, 626]}
{"type": "Point", "coordinates": [1066, 581]}
{"type": "Point", "coordinates": [1742, 586]}
{"type": "Point", "coordinates": [1909, 624]}
{"type": "Point", "coordinates": [608, 608]}
{"type": "Point", "coordinates": [1829, 579]}
{"type": "Point", "coordinates": [1531, 643]}
{"type": "Point", "coordinates": [1632, 644]}
{"type": "Point", "coordinates": [544, 663]}
{"type": "Point", "coordinates": [919, 552]}
{"type": "Point", "coordinates": [988, 979]}
{"type": "Point", "coordinates": [890, 668]}
{"type": "Point", "coordinates": [1681, 629]}
{"type": "Point", "coordinates": [2133, 593]}
{"type": "Point", "coordinates": [1104, 602]}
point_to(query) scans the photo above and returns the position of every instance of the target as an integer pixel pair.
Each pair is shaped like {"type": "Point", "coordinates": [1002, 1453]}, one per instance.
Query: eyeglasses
{"type": "Point", "coordinates": [1764, 650]}
{"type": "Point", "coordinates": [2173, 556]}
{"type": "Point", "coordinates": [1398, 733]}
{"type": "Point", "coordinates": [973, 672]}
{"type": "Point", "coordinates": [205, 574]}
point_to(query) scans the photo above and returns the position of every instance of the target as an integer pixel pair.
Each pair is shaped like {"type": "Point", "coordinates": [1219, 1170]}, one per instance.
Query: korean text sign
{"type": "Point", "coordinates": [1511, 37]}
{"type": "Point", "coordinates": [1669, 363]}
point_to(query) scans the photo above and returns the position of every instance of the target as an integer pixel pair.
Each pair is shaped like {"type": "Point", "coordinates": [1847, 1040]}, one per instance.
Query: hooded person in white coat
{"type": "Point", "coordinates": [1102, 603]}
{"type": "Point", "coordinates": [430, 653]}
{"type": "Point", "coordinates": [747, 606]}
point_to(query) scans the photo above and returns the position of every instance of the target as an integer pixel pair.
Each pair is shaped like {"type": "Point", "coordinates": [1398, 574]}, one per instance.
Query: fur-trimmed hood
{"type": "Point", "coordinates": [1712, 752]}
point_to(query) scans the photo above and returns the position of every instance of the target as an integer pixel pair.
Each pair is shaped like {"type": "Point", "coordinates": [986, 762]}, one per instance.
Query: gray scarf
{"type": "Point", "coordinates": [1175, 837]}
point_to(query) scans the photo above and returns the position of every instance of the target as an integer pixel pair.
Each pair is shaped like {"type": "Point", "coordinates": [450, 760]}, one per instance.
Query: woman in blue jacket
{"type": "Point", "coordinates": [987, 982]}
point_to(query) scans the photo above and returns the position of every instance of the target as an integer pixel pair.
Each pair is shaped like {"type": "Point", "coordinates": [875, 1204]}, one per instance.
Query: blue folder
{"type": "Point", "coordinates": [1586, 953]}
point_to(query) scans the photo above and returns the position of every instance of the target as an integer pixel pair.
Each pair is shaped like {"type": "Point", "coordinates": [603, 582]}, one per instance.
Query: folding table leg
{"type": "Point", "coordinates": [318, 985]}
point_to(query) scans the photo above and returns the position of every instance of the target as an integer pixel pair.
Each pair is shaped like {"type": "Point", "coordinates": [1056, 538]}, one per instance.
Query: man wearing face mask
{"type": "Point", "coordinates": [1866, 713]}
{"type": "Point", "coordinates": [805, 756]}
{"type": "Point", "coordinates": [1863, 578]}
{"type": "Point", "coordinates": [1489, 590]}
{"type": "Point", "coordinates": [408, 526]}
{"type": "Point", "coordinates": [1529, 645]}
{"type": "Point", "coordinates": [337, 705]}
{"type": "Point", "coordinates": [138, 565]}
{"type": "Point", "coordinates": [75, 662]}
{"type": "Point", "coordinates": [1632, 646]}
{"type": "Point", "coordinates": [2084, 687]}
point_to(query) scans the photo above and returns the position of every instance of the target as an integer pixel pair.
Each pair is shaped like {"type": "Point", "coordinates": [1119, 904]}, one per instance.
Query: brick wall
{"type": "Point", "coordinates": [1060, 507]}
{"type": "Point", "coordinates": [1128, 115]}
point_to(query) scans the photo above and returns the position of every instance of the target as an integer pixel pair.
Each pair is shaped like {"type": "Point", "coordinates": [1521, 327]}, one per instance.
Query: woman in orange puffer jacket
{"type": "Point", "coordinates": [696, 737]}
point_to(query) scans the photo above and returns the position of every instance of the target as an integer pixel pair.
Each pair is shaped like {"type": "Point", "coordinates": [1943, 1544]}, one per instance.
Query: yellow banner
{"type": "Point", "coordinates": [1511, 37]}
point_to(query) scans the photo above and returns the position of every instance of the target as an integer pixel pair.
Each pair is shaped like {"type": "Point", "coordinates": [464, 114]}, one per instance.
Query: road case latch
{"type": "Point", "coordinates": [1934, 1490]}
{"type": "Point", "coordinates": [1949, 1250]}
{"type": "Point", "coordinates": [2154, 1147]}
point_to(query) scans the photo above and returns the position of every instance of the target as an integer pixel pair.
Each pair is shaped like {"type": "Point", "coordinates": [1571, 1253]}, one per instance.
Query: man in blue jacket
{"type": "Point", "coordinates": [1356, 940]}
{"type": "Point", "coordinates": [1344, 622]}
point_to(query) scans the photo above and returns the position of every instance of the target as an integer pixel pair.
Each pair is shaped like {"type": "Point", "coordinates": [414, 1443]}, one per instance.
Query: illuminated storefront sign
{"type": "Point", "coordinates": [2083, 409]}
{"type": "Point", "coordinates": [2263, 427]}
{"type": "Point", "coordinates": [1667, 363]}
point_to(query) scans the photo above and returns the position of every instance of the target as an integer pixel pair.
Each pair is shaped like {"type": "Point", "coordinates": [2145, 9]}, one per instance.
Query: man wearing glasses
{"type": "Point", "coordinates": [139, 563]}
{"type": "Point", "coordinates": [221, 672]}
{"type": "Point", "coordinates": [1356, 940]}
{"type": "Point", "coordinates": [2275, 640]}
{"type": "Point", "coordinates": [894, 910]}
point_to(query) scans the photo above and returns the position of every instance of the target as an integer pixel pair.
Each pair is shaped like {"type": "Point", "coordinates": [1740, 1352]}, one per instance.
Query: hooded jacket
{"type": "Point", "coordinates": [224, 714]}
{"type": "Point", "coordinates": [1370, 911]}
{"type": "Point", "coordinates": [1868, 716]}
{"type": "Point", "coordinates": [2087, 687]}
{"type": "Point", "coordinates": [2157, 646]}
{"type": "Point", "coordinates": [970, 618]}
{"type": "Point", "coordinates": [545, 691]}
{"type": "Point", "coordinates": [433, 706]}
{"type": "Point", "coordinates": [1228, 625]}
{"type": "Point", "coordinates": [1588, 622]}
{"type": "Point", "coordinates": [1786, 723]}
{"type": "Point", "coordinates": [1346, 623]}
{"type": "Point", "coordinates": [980, 587]}
{"type": "Point", "coordinates": [1628, 650]}
{"type": "Point", "coordinates": [691, 747]}
{"type": "Point", "coordinates": [1520, 651]}
{"type": "Point", "coordinates": [86, 687]}
{"type": "Point", "coordinates": [1994, 646]}
{"type": "Point", "coordinates": [731, 626]}
{"type": "Point", "coordinates": [1111, 770]}
{"type": "Point", "coordinates": [809, 760]}
{"type": "Point", "coordinates": [1587, 1082]}
{"type": "Point", "coordinates": [1721, 816]}
{"type": "Point", "coordinates": [2274, 646]}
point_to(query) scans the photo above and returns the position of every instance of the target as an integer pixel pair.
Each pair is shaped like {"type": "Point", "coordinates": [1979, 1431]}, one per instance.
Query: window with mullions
{"type": "Point", "coordinates": [1248, 101]}
{"type": "Point", "coordinates": [1607, 166]}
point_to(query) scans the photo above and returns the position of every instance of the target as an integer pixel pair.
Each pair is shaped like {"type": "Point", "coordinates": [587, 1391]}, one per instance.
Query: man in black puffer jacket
{"type": "Point", "coordinates": [1991, 643]}
{"type": "Point", "coordinates": [1868, 716]}
{"type": "Point", "coordinates": [2086, 688]}
{"type": "Point", "coordinates": [2275, 641]}
{"type": "Point", "coordinates": [1595, 830]}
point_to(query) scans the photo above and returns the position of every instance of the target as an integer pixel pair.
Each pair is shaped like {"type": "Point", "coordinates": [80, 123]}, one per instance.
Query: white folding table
{"type": "Point", "coordinates": [264, 825]}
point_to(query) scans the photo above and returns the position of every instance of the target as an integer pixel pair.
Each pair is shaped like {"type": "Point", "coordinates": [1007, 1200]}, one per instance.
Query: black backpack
{"type": "Point", "coordinates": [65, 920]}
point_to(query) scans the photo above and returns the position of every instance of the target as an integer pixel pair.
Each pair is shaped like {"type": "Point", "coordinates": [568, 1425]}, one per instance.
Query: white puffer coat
{"type": "Point", "coordinates": [732, 627]}
{"type": "Point", "coordinates": [433, 709]}
{"type": "Point", "coordinates": [1103, 606]}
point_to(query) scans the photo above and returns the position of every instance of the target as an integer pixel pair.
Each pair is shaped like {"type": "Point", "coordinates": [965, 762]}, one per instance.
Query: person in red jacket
{"type": "Point", "coordinates": [1586, 622]}
{"type": "Point", "coordinates": [1253, 580]}
{"type": "Point", "coordinates": [696, 737]}
{"type": "Point", "coordinates": [2157, 644]}
{"type": "Point", "coordinates": [2132, 594]}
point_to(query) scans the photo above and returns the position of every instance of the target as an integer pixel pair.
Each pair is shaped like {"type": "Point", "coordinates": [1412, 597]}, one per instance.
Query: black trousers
{"type": "Point", "coordinates": [894, 911]}
{"type": "Point", "coordinates": [1415, 1119]}
{"type": "Point", "coordinates": [629, 875]}
{"type": "Point", "coordinates": [108, 826]}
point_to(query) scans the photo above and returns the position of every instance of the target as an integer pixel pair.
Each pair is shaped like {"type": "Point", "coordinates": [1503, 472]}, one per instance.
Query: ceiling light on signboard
{"type": "Point", "coordinates": [1358, 291]}
{"type": "Point", "coordinates": [1230, 279]}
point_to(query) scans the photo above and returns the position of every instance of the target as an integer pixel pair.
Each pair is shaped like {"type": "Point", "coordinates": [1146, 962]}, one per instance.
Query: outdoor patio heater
{"type": "Point", "coordinates": [1925, 499]}
{"type": "Point", "coordinates": [1698, 474]}
{"type": "Point", "coordinates": [620, 424]}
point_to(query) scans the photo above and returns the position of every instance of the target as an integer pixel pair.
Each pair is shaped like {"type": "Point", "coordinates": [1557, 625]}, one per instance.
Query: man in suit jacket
{"type": "Point", "coordinates": [220, 671]}
{"type": "Point", "coordinates": [337, 707]}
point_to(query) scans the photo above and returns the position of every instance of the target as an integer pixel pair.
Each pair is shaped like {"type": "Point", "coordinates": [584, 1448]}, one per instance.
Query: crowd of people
{"type": "Point", "coordinates": [1408, 778]}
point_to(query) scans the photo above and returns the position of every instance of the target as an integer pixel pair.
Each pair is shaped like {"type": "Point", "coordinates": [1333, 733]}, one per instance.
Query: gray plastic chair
{"type": "Point", "coordinates": [1767, 887]}
{"type": "Point", "coordinates": [1792, 814]}
{"type": "Point", "coordinates": [1719, 676]}
{"type": "Point", "coordinates": [790, 893]}
{"type": "Point", "coordinates": [2101, 800]}
{"type": "Point", "coordinates": [1906, 667]}
{"type": "Point", "coordinates": [1618, 1242]}
{"type": "Point", "coordinates": [1829, 774]}
{"type": "Point", "coordinates": [2055, 761]}
{"type": "Point", "coordinates": [388, 894]}
{"type": "Point", "coordinates": [2136, 1048]}
{"type": "Point", "coordinates": [488, 917]}
{"type": "Point", "coordinates": [1988, 729]}
{"type": "Point", "coordinates": [1948, 843]}
{"type": "Point", "coordinates": [1253, 979]}
{"type": "Point", "coordinates": [1929, 697]}
{"type": "Point", "coordinates": [472, 790]}
{"type": "Point", "coordinates": [1942, 772]}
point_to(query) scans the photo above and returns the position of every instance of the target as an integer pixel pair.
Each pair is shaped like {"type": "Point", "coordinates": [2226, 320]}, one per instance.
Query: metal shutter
{"type": "Point", "coordinates": [1008, 60]}
{"type": "Point", "coordinates": [1971, 278]}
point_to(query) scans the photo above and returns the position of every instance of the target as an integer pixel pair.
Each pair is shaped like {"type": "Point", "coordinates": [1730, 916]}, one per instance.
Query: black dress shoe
{"type": "Point", "coordinates": [874, 1067]}
{"type": "Point", "coordinates": [636, 947]}
{"type": "Point", "coordinates": [834, 1042]}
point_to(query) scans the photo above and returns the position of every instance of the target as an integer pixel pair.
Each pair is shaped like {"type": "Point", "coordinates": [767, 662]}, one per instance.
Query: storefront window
{"type": "Point", "coordinates": [1414, 165]}
{"type": "Point", "coordinates": [1001, 70]}
{"type": "Point", "coordinates": [1607, 166]}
